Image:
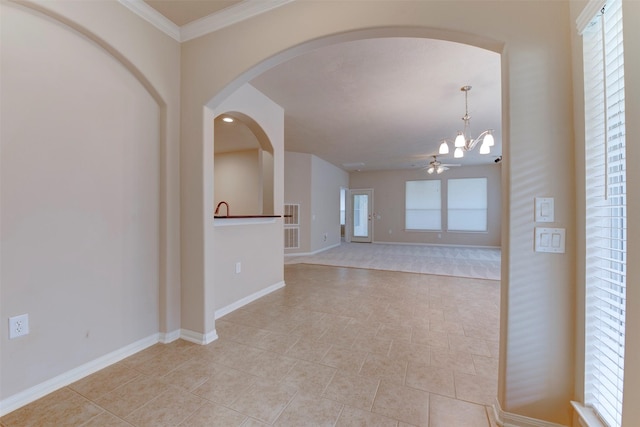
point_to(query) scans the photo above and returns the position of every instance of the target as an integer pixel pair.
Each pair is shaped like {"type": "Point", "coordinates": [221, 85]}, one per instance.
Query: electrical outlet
{"type": "Point", "coordinates": [18, 326]}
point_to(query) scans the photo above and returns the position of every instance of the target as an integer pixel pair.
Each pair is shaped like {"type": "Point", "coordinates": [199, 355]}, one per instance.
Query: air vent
{"type": "Point", "coordinates": [291, 225]}
{"type": "Point", "coordinates": [291, 214]}
{"type": "Point", "coordinates": [292, 237]}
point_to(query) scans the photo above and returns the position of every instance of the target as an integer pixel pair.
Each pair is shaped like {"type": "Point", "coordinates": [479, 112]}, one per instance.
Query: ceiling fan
{"type": "Point", "coordinates": [436, 166]}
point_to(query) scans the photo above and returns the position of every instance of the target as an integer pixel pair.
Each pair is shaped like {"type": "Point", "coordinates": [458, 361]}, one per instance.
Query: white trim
{"type": "Point", "coordinates": [587, 416]}
{"type": "Point", "coordinates": [248, 299]}
{"type": "Point", "coordinates": [437, 244]}
{"type": "Point", "coordinates": [228, 16]}
{"type": "Point", "coordinates": [197, 337]}
{"type": "Point", "coordinates": [36, 392]}
{"type": "Point", "coordinates": [590, 10]}
{"type": "Point", "coordinates": [294, 254]}
{"type": "Point", "coordinates": [155, 18]}
{"type": "Point", "coordinates": [216, 21]}
{"type": "Point", "coordinates": [506, 419]}
{"type": "Point", "coordinates": [225, 222]}
{"type": "Point", "coordinates": [168, 337]}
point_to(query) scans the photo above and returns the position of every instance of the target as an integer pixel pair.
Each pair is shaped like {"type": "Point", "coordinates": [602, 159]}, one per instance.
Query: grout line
{"type": "Point", "coordinates": [375, 396]}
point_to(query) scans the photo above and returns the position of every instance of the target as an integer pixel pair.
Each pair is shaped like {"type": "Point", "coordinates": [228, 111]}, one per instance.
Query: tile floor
{"type": "Point", "coordinates": [335, 347]}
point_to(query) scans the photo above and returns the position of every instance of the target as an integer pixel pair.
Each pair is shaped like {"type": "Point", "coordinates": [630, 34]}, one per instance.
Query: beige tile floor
{"type": "Point", "coordinates": [335, 347]}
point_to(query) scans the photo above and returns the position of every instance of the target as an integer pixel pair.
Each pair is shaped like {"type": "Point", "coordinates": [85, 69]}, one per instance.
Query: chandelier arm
{"type": "Point", "coordinates": [471, 144]}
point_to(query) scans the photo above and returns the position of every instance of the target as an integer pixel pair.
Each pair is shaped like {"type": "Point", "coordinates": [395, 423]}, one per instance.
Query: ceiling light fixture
{"type": "Point", "coordinates": [463, 141]}
{"type": "Point", "coordinates": [227, 119]}
{"type": "Point", "coordinates": [437, 167]}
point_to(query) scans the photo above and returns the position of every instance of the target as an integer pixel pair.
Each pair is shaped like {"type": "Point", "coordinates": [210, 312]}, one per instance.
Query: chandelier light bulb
{"type": "Point", "coordinates": [460, 141]}
{"type": "Point", "coordinates": [458, 153]}
{"type": "Point", "coordinates": [488, 140]}
{"type": "Point", "coordinates": [444, 148]}
{"type": "Point", "coordinates": [430, 170]}
{"type": "Point", "coordinates": [440, 169]}
{"type": "Point", "coordinates": [484, 148]}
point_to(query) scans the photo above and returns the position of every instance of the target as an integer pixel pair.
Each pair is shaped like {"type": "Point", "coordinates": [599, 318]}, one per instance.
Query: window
{"type": "Point", "coordinates": [467, 204]}
{"type": "Point", "coordinates": [606, 217]}
{"type": "Point", "coordinates": [423, 205]}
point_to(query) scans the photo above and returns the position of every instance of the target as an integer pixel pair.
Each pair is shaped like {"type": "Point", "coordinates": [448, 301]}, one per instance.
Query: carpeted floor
{"type": "Point", "coordinates": [460, 261]}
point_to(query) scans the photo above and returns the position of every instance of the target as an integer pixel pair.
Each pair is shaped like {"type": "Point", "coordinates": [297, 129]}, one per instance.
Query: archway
{"type": "Point", "coordinates": [214, 103]}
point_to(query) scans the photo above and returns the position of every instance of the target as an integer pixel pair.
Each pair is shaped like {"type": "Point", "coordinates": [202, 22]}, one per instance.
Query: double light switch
{"type": "Point", "coordinates": [547, 239]}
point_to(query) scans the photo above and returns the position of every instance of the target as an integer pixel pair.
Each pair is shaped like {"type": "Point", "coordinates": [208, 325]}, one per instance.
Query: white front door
{"type": "Point", "coordinates": [361, 203]}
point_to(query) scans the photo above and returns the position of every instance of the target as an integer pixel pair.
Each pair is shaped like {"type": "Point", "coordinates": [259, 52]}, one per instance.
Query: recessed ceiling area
{"type": "Point", "coordinates": [182, 12]}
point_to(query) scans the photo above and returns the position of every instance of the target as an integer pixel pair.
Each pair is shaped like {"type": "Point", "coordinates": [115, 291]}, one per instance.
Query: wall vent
{"type": "Point", "coordinates": [292, 237]}
{"type": "Point", "coordinates": [292, 214]}
{"type": "Point", "coordinates": [291, 225]}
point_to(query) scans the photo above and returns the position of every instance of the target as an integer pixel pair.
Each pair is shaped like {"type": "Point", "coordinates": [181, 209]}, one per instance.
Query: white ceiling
{"type": "Point", "coordinates": [386, 103]}
{"type": "Point", "coordinates": [378, 103]}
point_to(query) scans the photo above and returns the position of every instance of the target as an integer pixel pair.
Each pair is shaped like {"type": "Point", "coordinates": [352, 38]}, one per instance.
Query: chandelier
{"type": "Point", "coordinates": [463, 141]}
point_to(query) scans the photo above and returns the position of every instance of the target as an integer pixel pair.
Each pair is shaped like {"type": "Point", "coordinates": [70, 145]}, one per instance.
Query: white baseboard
{"type": "Point", "coordinates": [248, 299]}
{"type": "Point", "coordinates": [436, 244]}
{"type": "Point", "coordinates": [197, 337]}
{"type": "Point", "coordinates": [36, 392]}
{"type": "Point", "coordinates": [312, 253]}
{"type": "Point", "coordinates": [168, 337]}
{"type": "Point", "coordinates": [507, 419]}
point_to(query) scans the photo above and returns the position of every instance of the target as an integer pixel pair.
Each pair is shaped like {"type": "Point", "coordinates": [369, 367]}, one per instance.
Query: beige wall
{"type": "Point", "coordinates": [315, 184]}
{"type": "Point", "coordinates": [297, 190]}
{"type": "Point", "coordinates": [536, 373]}
{"type": "Point", "coordinates": [389, 205]}
{"type": "Point", "coordinates": [238, 181]}
{"type": "Point", "coordinates": [631, 11]}
{"type": "Point", "coordinates": [88, 243]}
{"type": "Point", "coordinates": [326, 181]}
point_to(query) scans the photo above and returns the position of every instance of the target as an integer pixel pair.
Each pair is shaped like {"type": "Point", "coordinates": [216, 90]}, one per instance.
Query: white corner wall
{"type": "Point", "coordinates": [326, 181]}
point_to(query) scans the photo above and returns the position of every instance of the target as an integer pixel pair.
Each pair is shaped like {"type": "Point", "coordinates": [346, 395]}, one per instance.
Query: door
{"type": "Point", "coordinates": [361, 203]}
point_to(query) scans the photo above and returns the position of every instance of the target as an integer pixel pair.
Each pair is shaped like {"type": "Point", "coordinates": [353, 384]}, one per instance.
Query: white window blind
{"type": "Point", "coordinates": [606, 221]}
{"type": "Point", "coordinates": [423, 205]}
{"type": "Point", "coordinates": [467, 204]}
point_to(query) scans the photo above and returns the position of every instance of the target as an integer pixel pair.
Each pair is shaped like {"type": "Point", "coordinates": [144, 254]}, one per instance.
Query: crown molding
{"type": "Point", "coordinates": [155, 18]}
{"type": "Point", "coordinates": [208, 24]}
{"type": "Point", "coordinates": [228, 16]}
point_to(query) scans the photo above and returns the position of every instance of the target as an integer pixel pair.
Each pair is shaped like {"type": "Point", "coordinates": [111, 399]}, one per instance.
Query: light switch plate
{"type": "Point", "coordinates": [550, 240]}
{"type": "Point", "coordinates": [544, 209]}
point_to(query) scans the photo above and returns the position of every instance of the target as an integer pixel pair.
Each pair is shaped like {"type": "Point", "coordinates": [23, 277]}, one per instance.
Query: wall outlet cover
{"type": "Point", "coordinates": [18, 326]}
